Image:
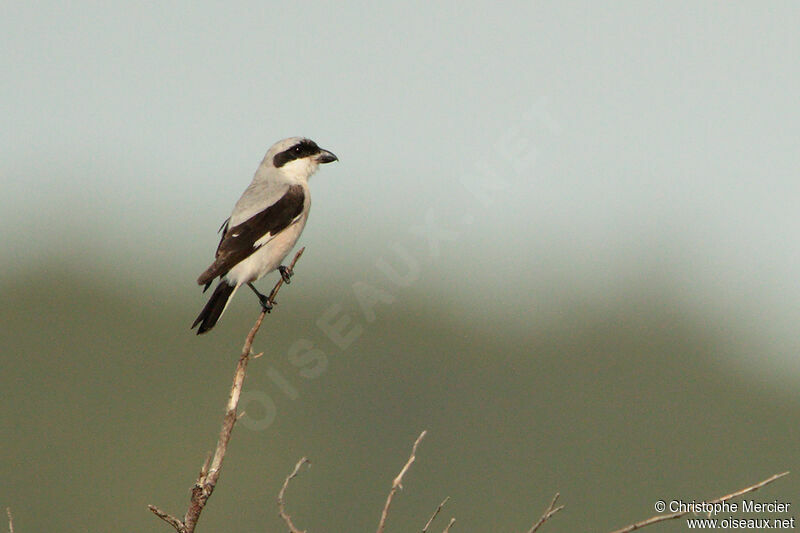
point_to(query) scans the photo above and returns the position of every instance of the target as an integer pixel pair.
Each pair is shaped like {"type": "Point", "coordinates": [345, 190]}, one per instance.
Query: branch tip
{"type": "Point", "coordinates": [281, 505]}
{"type": "Point", "coordinates": [663, 518]}
{"type": "Point", "coordinates": [168, 518]}
{"type": "Point", "coordinates": [549, 512]}
{"type": "Point", "coordinates": [435, 513]}
{"type": "Point", "coordinates": [398, 482]}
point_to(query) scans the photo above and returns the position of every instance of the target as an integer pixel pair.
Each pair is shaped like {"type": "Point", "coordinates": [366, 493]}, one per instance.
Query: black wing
{"type": "Point", "coordinates": [239, 242]}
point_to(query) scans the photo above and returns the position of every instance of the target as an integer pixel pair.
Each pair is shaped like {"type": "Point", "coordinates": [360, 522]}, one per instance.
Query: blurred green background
{"type": "Point", "coordinates": [564, 237]}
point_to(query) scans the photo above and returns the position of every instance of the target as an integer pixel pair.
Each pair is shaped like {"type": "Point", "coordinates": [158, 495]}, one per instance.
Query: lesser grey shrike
{"type": "Point", "coordinates": [264, 225]}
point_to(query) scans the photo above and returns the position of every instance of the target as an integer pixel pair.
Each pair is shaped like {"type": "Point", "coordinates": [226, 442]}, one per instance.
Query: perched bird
{"type": "Point", "coordinates": [264, 225]}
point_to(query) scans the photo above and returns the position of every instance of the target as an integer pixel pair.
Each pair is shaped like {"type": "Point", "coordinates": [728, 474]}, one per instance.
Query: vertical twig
{"type": "Point", "coordinates": [209, 473]}
{"type": "Point", "coordinates": [10, 520]}
{"type": "Point", "coordinates": [398, 483]}
{"type": "Point", "coordinates": [281, 505]}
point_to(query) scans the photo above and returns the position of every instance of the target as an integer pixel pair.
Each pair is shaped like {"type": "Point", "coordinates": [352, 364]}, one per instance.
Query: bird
{"type": "Point", "coordinates": [264, 225]}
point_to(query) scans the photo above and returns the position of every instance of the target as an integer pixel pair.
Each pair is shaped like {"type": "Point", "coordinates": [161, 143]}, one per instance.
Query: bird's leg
{"type": "Point", "coordinates": [286, 273]}
{"type": "Point", "coordinates": [266, 305]}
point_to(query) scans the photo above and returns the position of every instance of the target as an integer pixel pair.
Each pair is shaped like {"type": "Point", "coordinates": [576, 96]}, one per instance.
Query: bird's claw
{"type": "Point", "coordinates": [266, 305]}
{"type": "Point", "coordinates": [286, 273]}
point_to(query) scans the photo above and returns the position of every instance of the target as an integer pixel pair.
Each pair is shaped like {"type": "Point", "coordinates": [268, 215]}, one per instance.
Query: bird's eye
{"type": "Point", "coordinates": [297, 149]}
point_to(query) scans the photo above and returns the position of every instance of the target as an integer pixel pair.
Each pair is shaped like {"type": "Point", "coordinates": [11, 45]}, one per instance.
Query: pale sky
{"type": "Point", "coordinates": [627, 140]}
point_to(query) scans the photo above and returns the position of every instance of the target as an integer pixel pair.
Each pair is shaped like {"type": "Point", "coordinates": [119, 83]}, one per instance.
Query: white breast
{"type": "Point", "coordinates": [270, 256]}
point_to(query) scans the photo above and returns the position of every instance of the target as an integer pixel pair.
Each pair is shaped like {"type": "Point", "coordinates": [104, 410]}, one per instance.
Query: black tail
{"type": "Point", "coordinates": [215, 307]}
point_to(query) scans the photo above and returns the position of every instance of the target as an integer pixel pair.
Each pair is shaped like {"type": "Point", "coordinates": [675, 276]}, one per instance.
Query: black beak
{"type": "Point", "coordinates": [326, 157]}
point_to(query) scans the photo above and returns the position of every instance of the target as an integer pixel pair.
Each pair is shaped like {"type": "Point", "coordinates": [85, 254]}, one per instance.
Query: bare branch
{"type": "Point", "coordinates": [209, 473]}
{"type": "Point", "coordinates": [433, 516]}
{"type": "Point", "coordinates": [10, 520]}
{"type": "Point", "coordinates": [751, 488]}
{"type": "Point", "coordinates": [168, 518]}
{"type": "Point", "coordinates": [550, 511]}
{"type": "Point", "coordinates": [447, 529]}
{"type": "Point", "coordinates": [281, 505]}
{"type": "Point", "coordinates": [398, 483]}
{"type": "Point", "coordinates": [663, 518]}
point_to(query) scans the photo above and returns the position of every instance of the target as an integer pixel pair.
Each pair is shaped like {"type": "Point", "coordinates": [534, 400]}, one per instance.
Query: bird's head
{"type": "Point", "coordinates": [297, 158]}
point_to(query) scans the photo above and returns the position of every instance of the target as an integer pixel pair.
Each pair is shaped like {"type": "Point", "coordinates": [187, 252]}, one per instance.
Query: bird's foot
{"type": "Point", "coordinates": [266, 304]}
{"type": "Point", "coordinates": [264, 300]}
{"type": "Point", "coordinates": [286, 273]}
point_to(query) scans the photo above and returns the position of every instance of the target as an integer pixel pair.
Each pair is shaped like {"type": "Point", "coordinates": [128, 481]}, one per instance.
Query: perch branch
{"type": "Point", "coordinates": [209, 473]}
{"type": "Point", "coordinates": [398, 483]}
{"type": "Point", "coordinates": [10, 520]}
{"type": "Point", "coordinates": [447, 529]}
{"type": "Point", "coordinates": [550, 511]}
{"type": "Point", "coordinates": [281, 505]}
{"type": "Point", "coordinates": [662, 518]}
{"type": "Point", "coordinates": [433, 516]}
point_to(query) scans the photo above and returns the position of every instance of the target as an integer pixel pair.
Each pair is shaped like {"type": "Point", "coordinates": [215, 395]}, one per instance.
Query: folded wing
{"type": "Point", "coordinates": [240, 241]}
